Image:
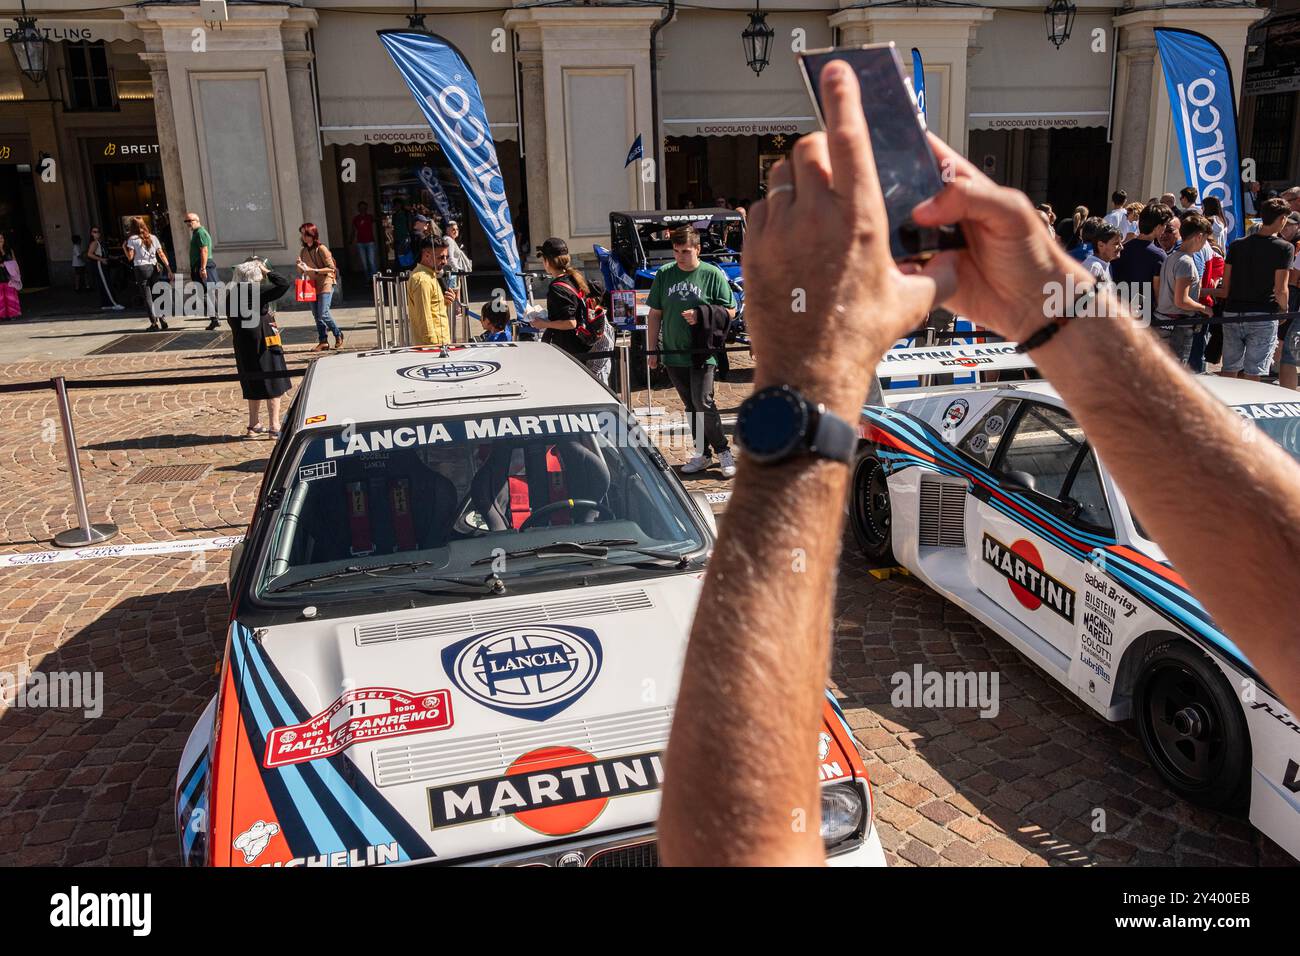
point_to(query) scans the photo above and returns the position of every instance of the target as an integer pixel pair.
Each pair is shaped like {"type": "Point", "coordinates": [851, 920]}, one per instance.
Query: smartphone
{"type": "Point", "coordinates": [905, 163]}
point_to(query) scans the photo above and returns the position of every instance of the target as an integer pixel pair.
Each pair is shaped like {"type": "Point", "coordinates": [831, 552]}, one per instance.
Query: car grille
{"type": "Point", "coordinates": [488, 754]}
{"type": "Point", "coordinates": [942, 521]}
{"type": "Point", "coordinates": [443, 625]}
{"type": "Point", "coordinates": [637, 855]}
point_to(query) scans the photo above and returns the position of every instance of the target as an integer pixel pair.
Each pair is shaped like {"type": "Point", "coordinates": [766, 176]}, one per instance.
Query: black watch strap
{"type": "Point", "coordinates": [833, 437]}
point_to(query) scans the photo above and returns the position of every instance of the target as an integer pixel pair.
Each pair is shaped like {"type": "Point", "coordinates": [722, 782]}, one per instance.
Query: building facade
{"type": "Point", "coordinates": [280, 114]}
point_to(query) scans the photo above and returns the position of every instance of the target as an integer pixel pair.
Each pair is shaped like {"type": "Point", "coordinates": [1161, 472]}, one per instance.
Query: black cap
{"type": "Point", "coordinates": [553, 248]}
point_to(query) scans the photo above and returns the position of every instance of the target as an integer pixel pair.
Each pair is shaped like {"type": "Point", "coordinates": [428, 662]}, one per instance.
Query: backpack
{"type": "Point", "coordinates": [591, 317]}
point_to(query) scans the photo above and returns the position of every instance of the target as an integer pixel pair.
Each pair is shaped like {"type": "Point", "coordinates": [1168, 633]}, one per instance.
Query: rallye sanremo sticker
{"type": "Point", "coordinates": [367, 713]}
{"type": "Point", "coordinates": [529, 672]}
{"type": "Point", "coordinates": [553, 790]}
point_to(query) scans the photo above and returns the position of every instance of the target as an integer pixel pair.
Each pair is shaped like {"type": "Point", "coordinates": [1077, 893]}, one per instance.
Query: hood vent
{"type": "Point", "coordinates": [484, 620]}
{"type": "Point", "coordinates": [488, 755]}
{"type": "Point", "coordinates": [943, 513]}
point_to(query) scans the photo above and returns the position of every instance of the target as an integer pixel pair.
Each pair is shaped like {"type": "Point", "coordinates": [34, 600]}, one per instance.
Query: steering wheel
{"type": "Point", "coordinates": [568, 504]}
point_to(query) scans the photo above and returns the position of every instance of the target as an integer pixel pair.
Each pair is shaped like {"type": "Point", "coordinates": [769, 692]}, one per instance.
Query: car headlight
{"type": "Point", "coordinates": [843, 807]}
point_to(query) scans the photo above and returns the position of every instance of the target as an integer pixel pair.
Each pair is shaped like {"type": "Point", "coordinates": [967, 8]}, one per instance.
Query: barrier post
{"type": "Point", "coordinates": [85, 533]}
{"type": "Point", "coordinates": [623, 347]}
{"type": "Point", "coordinates": [376, 286]}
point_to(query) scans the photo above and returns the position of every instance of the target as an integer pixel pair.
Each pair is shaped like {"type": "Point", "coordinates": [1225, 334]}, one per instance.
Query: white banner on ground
{"type": "Point", "coordinates": [188, 546]}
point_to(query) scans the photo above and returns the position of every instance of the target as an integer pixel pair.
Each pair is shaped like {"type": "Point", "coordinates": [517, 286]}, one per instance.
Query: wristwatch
{"type": "Point", "coordinates": [777, 423]}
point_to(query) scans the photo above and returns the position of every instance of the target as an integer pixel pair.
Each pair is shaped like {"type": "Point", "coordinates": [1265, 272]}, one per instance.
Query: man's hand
{"type": "Point", "coordinates": [1008, 259]}
{"type": "Point", "coordinates": [819, 245]}
{"type": "Point", "coordinates": [690, 315]}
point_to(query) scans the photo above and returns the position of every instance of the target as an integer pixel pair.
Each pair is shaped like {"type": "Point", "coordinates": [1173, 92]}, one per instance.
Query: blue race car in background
{"type": "Point", "coordinates": [641, 244]}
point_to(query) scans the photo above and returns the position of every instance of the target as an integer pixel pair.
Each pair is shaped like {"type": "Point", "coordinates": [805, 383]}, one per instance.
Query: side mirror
{"type": "Point", "coordinates": [235, 554]}
{"type": "Point", "coordinates": [706, 511]}
{"type": "Point", "coordinates": [1021, 481]}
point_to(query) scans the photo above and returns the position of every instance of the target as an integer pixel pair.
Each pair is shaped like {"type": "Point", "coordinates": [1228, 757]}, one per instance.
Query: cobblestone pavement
{"type": "Point", "coordinates": [1019, 789]}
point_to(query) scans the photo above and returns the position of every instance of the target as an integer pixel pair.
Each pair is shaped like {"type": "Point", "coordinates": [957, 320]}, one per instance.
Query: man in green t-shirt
{"type": "Point", "coordinates": [674, 295]}
{"type": "Point", "coordinates": [202, 268]}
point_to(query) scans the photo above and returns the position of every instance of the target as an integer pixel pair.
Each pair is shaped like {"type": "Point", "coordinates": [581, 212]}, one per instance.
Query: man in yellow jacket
{"type": "Point", "coordinates": [426, 302]}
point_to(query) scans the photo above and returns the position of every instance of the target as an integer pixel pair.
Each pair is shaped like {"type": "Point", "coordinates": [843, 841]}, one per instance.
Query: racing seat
{"type": "Point", "coordinates": [566, 468]}
{"type": "Point", "coordinates": [405, 506]}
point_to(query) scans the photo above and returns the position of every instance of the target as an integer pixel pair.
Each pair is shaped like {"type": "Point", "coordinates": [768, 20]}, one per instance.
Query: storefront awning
{"type": "Point", "coordinates": [707, 89]}
{"type": "Point", "coordinates": [367, 101]}
{"type": "Point", "coordinates": [1019, 80]}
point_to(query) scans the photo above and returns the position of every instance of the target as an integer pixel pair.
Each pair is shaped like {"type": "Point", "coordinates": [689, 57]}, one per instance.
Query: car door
{"type": "Point", "coordinates": [1052, 494]}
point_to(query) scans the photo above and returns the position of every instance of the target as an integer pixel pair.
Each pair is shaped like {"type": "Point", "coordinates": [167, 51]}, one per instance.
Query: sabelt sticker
{"type": "Point", "coordinates": [463, 370]}
{"type": "Point", "coordinates": [529, 672]}
{"type": "Point", "coordinates": [368, 713]}
{"type": "Point", "coordinates": [1032, 586]}
{"type": "Point", "coordinates": [322, 469]}
{"type": "Point", "coordinates": [955, 413]}
{"type": "Point", "coordinates": [553, 790]}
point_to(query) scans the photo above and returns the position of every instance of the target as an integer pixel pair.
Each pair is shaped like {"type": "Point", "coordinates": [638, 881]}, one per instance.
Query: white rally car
{"type": "Point", "coordinates": [992, 496]}
{"type": "Point", "coordinates": [458, 623]}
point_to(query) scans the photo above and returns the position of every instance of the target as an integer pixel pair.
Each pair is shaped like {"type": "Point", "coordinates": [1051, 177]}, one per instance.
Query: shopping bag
{"type": "Point", "coordinates": [304, 290]}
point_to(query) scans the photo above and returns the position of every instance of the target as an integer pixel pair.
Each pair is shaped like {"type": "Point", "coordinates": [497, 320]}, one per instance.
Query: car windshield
{"type": "Point", "coordinates": [1280, 421]}
{"type": "Point", "coordinates": [720, 239]}
{"type": "Point", "coordinates": [459, 505]}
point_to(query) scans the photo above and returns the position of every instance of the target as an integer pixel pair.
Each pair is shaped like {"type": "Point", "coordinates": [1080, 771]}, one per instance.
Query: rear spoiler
{"type": "Point", "coordinates": [951, 360]}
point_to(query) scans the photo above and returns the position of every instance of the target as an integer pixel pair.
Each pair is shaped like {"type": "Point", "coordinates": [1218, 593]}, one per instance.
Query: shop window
{"type": "Point", "coordinates": [87, 78]}
{"type": "Point", "coordinates": [1271, 135]}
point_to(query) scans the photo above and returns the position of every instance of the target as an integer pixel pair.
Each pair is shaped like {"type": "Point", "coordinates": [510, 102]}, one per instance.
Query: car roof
{"type": "Point", "coordinates": [643, 216]}
{"type": "Point", "coordinates": [1230, 391]}
{"type": "Point", "coordinates": [429, 382]}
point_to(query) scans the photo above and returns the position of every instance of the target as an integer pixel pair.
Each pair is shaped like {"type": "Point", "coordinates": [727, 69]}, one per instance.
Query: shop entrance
{"type": "Point", "coordinates": [20, 221]}
{"type": "Point", "coordinates": [700, 170]}
{"type": "Point", "coordinates": [127, 181]}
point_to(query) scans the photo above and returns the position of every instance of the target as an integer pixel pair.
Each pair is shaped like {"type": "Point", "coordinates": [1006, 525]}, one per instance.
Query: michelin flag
{"type": "Point", "coordinates": [635, 152]}
{"type": "Point", "coordinates": [918, 81]}
{"type": "Point", "coordinates": [448, 95]}
{"type": "Point", "coordinates": [1205, 115]}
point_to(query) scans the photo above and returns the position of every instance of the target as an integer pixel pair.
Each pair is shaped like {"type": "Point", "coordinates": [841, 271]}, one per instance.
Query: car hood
{"type": "Point", "coordinates": [457, 731]}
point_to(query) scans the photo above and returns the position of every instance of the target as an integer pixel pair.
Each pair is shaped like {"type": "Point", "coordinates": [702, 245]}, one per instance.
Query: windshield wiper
{"type": "Point", "coordinates": [593, 549]}
{"type": "Point", "coordinates": [381, 571]}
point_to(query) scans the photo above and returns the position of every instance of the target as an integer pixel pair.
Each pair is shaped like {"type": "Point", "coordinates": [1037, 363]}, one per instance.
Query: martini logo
{"type": "Point", "coordinates": [368, 713]}
{"type": "Point", "coordinates": [955, 413]}
{"type": "Point", "coordinates": [554, 790]}
{"type": "Point", "coordinates": [967, 362]}
{"type": "Point", "coordinates": [528, 672]}
{"type": "Point", "coordinates": [1033, 587]}
{"type": "Point", "coordinates": [449, 371]}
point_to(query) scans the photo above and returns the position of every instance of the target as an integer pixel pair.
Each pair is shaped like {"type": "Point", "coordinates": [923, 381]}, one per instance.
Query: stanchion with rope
{"type": "Point", "coordinates": [623, 348]}
{"type": "Point", "coordinates": [85, 533]}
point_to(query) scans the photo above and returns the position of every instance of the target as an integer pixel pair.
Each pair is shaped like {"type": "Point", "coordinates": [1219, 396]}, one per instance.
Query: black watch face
{"type": "Point", "coordinates": [774, 424]}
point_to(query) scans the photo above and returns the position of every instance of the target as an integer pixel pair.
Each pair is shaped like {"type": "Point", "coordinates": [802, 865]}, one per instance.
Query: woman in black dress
{"type": "Point", "coordinates": [251, 316]}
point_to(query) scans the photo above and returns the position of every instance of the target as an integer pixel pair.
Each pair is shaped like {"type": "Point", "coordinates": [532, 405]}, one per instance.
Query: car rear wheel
{"type": "Point", "coordinates": [1192, 726]}
{"type": "Point", "coordinates": [869, 509]}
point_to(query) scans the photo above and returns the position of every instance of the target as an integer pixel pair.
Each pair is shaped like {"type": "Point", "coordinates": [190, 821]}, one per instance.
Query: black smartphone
{"type": "Point", "coordinates": [905, 163]}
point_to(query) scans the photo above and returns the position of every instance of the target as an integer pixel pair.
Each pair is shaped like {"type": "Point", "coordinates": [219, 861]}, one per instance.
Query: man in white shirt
{"type": "Point", "coordinates": [1118, 215]}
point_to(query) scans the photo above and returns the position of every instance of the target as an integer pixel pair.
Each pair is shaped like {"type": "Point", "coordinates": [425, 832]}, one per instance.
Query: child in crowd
{"type": "Point", "coordinates": [495, 320]}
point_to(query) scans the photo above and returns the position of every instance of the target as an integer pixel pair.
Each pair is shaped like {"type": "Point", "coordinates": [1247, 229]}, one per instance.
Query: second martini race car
{"type": "Point", "coordinates": [994, 497]}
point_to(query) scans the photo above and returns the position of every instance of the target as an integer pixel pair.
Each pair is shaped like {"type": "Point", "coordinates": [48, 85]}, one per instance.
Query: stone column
{"type": "Point", "coordinates": [1036, 176]}
{"type": "Point", "coordinates": [944, 35]}
{"type": "Point", "coordinates": [532, 112]}
{"type": "Point", "coordinates": [169, 155]}
{"type": "Point", "coordinates": [1139, 71]}
{"type": "Point", "coordinates": [297, 65]}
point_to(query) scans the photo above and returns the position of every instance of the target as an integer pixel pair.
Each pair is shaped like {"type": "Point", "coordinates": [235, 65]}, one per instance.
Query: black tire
{"type": "Point", "coordinates": [1192, 726]}
{"type": "Point", "coordinates": [870, 513]}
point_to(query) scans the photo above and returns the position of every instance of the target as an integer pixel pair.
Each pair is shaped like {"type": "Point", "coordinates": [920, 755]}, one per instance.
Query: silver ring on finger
{"type": "Point", "coordinates": [783, 187]}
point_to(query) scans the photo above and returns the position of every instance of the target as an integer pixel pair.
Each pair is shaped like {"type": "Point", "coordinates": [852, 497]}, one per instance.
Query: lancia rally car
{"type": "Point", "coordinates": [458, 621]}
{"type": "Point", "coordinates": [993, 497]}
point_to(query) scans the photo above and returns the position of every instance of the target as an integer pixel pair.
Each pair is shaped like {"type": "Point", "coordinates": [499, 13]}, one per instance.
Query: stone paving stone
{"type": "Point", "coordinates": [1018, 789]}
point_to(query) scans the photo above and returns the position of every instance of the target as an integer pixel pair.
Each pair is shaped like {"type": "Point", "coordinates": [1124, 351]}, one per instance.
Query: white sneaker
{"type": "Point", "coordinates": [697, 464]}
{"type": "Point", "coordinates": [728, 464]}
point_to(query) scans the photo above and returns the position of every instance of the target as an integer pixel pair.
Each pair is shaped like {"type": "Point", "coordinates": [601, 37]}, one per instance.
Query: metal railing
{"type": "Point", "coordinates": [391, 319]}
